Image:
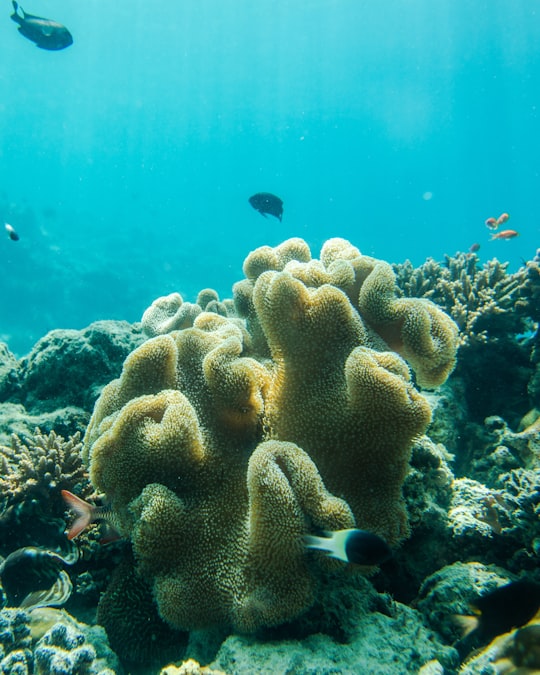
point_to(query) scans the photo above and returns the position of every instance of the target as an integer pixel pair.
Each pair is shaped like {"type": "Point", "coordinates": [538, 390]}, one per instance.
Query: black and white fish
{"type": "Point", "coordinates": [11, 232]}
{"type": "Point", "coordinates": [47, 34]}
{"type": "Point", "coordinates": [352, 546]}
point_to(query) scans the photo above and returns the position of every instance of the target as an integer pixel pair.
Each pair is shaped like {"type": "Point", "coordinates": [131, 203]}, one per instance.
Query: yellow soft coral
{"type": "Point", "coordinates": [222, 444]}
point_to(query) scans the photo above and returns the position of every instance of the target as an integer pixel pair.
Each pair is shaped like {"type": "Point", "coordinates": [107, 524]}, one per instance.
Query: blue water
{"type": "Point", "coordinates": [126, 161]}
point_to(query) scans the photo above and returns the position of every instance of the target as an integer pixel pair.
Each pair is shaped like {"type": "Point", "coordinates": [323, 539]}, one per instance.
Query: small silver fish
{"type": "Point", "coordinates": [47, 34]}
{"type": "Point", "coordinates": [12, 234]}
{"type": "Point", "coordinates": [352, 546]}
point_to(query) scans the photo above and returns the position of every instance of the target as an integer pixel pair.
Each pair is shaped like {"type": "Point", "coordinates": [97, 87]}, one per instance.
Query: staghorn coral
{"type": "Point", "coordinates": [497, 313]}
{"type": "Point", "coordinates": [223, 443]}
{"type": "Point", "coordinates": [42, 465]}
{"type": "Point", "coordinates": [486, 302]}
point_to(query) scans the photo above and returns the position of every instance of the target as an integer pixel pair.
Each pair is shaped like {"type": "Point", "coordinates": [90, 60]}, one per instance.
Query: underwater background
{"type": "Point", "coordinates": [324, 454]}
{"type": "Point", "coordinates": [126, 160]}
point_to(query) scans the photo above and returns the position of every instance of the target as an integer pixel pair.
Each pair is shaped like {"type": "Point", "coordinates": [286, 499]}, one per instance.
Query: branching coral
{"type": "Point", "coordinates": [39, 466]}
{"type": "Point", "coordinates": [223, 443]}
{"type": "Point", "coordinates": [486, 302]}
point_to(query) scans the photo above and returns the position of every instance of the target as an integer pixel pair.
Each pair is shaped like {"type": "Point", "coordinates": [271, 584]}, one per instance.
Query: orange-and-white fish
{"type": "Point", "coordinates": [494, 223]}
{"type": "Point", "coordinates": [504, 234]}
{"type": "Point", "coordinates": [501, 220]}
{"type": "Point", "coordinates": [89, 513]}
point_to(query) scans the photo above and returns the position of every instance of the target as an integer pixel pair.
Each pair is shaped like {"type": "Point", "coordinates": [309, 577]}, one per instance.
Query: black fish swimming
{"type": "Point", "coordinates": [265, 202]}
{"type": "Point", "coordinates": [45, 33]}
{"type": "Point", "coordinates": [497, 612]}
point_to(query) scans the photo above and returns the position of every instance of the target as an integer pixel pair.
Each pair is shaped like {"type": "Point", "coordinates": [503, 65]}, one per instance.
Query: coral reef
{"type": "Point", "coordinates": [351, 629]}
{"type": "Point", "coordinates": [221, 444]}
{"type": "Point", "coordinates": [497, 313]}
{"type": "Point", "coordinates": [56, 385]}
{"type": "Point", "coordinates": [48, 642]}
{"type": "Point", "coordinates": [71, 366]}
{"type": "Point", "coordinates": [32, 474]}
{"type": "Point", "coordinates": [190, 667]}
{"type": "Point", "coordinates": [240, 426]}
{"type": "Point", "coordinates": [44, 463]}
{"type": "Point", "coordinates": [449, 592]}
{"type": "Point", "coordinates": [486, 302]}
{"type": "Point", "coordinates": [8, 373]}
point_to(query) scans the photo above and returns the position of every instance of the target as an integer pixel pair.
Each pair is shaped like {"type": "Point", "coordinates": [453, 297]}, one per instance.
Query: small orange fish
{"type": "Point", "coordinates": [492, 223]}
{"type": "Point", "coordinates": [502, 218]}
{"type": "Point", "coordinates": [505, 234]}
{"type": "Point", "coordinates": [474, 247]}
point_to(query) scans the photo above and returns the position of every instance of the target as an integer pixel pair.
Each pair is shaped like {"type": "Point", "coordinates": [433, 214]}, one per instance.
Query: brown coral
{"type": "Point", "coordinates": [40, 465]}
{"type": "Point", "coordinates": [487, 302]}
{"type": "Point", "coordinates": [223, 443]}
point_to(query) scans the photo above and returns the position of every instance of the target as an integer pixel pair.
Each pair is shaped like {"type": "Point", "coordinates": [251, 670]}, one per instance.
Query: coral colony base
{"type": "Point", "coordinates": [328, 394]}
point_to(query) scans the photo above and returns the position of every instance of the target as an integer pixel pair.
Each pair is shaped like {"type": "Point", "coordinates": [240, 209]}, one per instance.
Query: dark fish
{"type": "Point", "coordinates": [352, 546]}
{"type": "Point", "coordinates": [31, 569]}
{"type": "Point", "coordinates": [12, 234]}
{"type": "Point", "coordinates": [45, 33]}
{"type": "Point", "coordinates": [264, 203]}
{"type": "Point", "coordinates": [499, 611]}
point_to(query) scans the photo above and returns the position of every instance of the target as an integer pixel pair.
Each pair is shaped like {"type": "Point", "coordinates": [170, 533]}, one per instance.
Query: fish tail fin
{"type": "Point", "coordinates": [319, 543]}
{"type": "Point", "coordinates": [84, 511]}
{"type": "Point", "coordinates": [466, 623]}
{"type": "Point", "coordinates": [16, 16]}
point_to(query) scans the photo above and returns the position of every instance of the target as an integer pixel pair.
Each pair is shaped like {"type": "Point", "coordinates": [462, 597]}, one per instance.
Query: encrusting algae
{"type": "Point", "coordinates": [226, 442]}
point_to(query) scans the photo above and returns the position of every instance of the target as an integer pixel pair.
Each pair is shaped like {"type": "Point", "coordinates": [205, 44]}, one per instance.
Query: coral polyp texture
{"type": "Point", "coordinates": [221, 445]}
